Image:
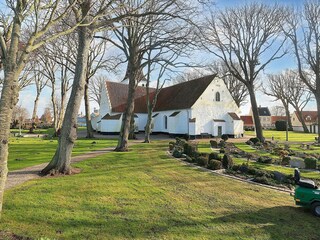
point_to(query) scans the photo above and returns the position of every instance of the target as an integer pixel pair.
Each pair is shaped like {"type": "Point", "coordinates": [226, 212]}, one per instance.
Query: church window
{"type": "Point", "coordinates": [217, 96]}
{"type": "Point", "coordinates": [165, 122]}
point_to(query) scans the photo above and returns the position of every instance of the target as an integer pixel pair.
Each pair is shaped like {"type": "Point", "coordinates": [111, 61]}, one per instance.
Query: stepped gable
{"type": "Point", "coordinates": [182, 95]}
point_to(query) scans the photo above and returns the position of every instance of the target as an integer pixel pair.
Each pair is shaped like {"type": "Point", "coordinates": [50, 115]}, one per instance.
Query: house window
{"type": "Point", "coordinates": [217, 96]}
{"type": "Point", "coordinates": [165, 122]}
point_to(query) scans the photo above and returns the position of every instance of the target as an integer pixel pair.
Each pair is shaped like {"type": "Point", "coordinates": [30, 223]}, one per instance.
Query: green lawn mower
{"type": "Point", "coordinates": [307, 194]}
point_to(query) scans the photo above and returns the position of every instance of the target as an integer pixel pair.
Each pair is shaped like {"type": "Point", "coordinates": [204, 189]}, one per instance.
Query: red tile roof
{"type": "Point", "coordinates": [308, 116]}
{"type": "Point", "coordinates": [179, 96]}
{"type": "Point", "coordinates": [247, 121]}
{"type": "Point", "coordinates": [234, 116]}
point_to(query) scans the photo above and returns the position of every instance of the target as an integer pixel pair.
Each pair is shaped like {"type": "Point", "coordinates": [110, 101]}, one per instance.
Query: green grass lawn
{"type": "Point", "coordinates": [281, 135]}
{"type": "Point", "coordinates": [144, 194]}
{"type": "Point", "coordinates": [25, 152]}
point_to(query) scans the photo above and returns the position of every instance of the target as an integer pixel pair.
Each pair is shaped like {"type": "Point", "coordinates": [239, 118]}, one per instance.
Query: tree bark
{"type": "Point", "coordinates": [254, 106]}
{"type": "Point", "coordinates": [126, 118]}
{"type": "Point", "coordinates": [87, 109]}
{"type": "Point", "coordinates": [148, 126]}
{"type": "Point", "coordinates": [34, 112]}
{"type": "Point", "coordinates": [60, 163]}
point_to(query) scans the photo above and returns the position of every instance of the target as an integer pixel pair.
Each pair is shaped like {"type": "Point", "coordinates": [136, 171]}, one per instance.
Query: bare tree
{"type": "Point", "coordinates": [17, 40]}
{"type": "Point", "coordinates": [132, 37]}
{"type": "Point", "coordinates": [303, 29]}
{"type": "Point", "coordinates": [19, 115]}
{"type": "Point", "coordinates": [95, 86]}
{"type": "Point", "coordinates": [247, 36]}
{"type": "Point", "coordinates": [277, 87]}
{"type": "Point", "coordinates": [278, 110]}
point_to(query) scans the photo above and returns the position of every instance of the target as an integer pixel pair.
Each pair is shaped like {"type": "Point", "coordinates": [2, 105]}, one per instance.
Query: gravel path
{"type": "Point", "coordinates": [20, 176]}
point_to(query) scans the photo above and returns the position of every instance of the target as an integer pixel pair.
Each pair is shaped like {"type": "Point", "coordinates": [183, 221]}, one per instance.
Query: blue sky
{"type": "Point", "coordinates": [27, 96]}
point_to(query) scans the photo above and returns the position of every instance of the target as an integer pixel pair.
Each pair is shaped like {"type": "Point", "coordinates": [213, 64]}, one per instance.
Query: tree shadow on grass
{"type": "Point", "coordinates": [283, 222]}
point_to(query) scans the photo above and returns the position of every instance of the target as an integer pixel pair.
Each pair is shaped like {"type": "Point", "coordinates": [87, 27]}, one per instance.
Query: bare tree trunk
{"type": "Point", "coordinates": [62, 110]}
{"type": "Point", "coordinates": [34, 112]}
{"type": "Point", "coordinates": [132, 134]}
{"type": "Point", "coordinates": [60, 163]}
{"type": "Point", "coordinates": [87, 109]}
{"type": "Point", "coordinates": [318, 121]}
{"type": "Point", "coordinates": [126, 118]}
{"type": "Point", "coordinates": [255, 112]}
{"type": "Point", "coordinates": [148, 126]}
{"type": "Point", "coordinates": [9, 98]}
{"type": "Point", "coordinates": [286, 107]}
{"type": "Point", "coordinates": [304, 126]}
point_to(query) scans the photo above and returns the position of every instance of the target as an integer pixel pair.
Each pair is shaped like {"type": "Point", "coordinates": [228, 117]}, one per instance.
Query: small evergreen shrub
{"type": "Point", "coordinates": [202, 161]}
{"type": "Point", "coordinates": [285, 160]}
{"type": "Point", "coordinates": [189, 159]}
{"type": "Point", "coordinates": [281, 125]}
{"type": "Point", "coordinates": [188, 149]}
{"type": "Point", "coordinates": [254, 140]}
{"type": "Point", "coordinates": [171, 146]}
{"type": "Point", "coordinates": [224, 137]}
{"type": "Point", "coordinates": [311, 163]}
{"type": "Point", "coordinates": [265, 159]}
{"type": "Point", "coordinates": [176, 153]}
{"type": "Point", "coordinates": [215, 165]}
{"type": "Point", "coordinates": [213, 144]}
{"type": "Point", "coordinates": [222, 144]}
{"type": "Point", "coordinates": [222, 150]}
{"type": "Point", "coordinates": [186, 137]}
{"type": "Point", "coordinates": [227, 161]}
{"type": "Point", "coordinates": [263, 180]}
{"type": "Point", "coordinates": [214, 156]}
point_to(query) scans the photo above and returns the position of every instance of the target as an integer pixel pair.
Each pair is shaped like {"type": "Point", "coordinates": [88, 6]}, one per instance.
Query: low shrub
{"type": "Point", "coordinates": [254, 140]}
{"type": "Point", "coordinates": [263, 180]}
{"type": "Point", "coordinates": [177, 154]}
{"type": "Point", "coordinates": [311, 163]}
{"type": "Point", "coordinates": [249, 143]}
{"type": "Point", "coordinates": [222, 150]}
{"type": "Point", "coordinates": [224, 137]}
{"type": "Point", "coordinates": [202, 161]}
{"type": "Point", "coordinates": [213, 144]}
{"type": "Point", "coordinates": [227, 161]}
{"type": "Point", "coordinates": [222, 144]}
{"type": "Point", "coordinates": [186, 137]}
{"type": "Point", "coordinates": [285, 160]}
{"type": "Point", "coordinates": [281, 125]}
{"type": "Point", "coordinates": [264, 159]}
{"type": "Point", "coordinates": [214, 156]}
{"type": "Point", "coordinates": [214, 164]}
{"type": "Point", "coordinates": [188, 149]}
{"type": "Point", "coordinates": [189, 159]}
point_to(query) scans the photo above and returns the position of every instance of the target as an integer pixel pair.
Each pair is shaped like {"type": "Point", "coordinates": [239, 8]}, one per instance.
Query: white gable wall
{"type": "Point", "coordinates": [206, 109]}
{"type": "Point", "coordinates": [175, 125]}
{"type": "Point", "coordinates": [105, 107]}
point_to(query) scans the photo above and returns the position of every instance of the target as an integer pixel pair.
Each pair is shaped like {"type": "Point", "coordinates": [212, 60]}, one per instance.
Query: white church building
{"type": "Point", "coordinates": [203, 106]}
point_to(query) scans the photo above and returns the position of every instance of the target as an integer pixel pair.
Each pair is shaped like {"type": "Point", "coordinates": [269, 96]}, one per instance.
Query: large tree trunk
{"type": "Point", "coordinates": [132, 134]}
{"type": "Point", "coordinates": [9, 98]}
{"type": "Point", "coordinates": [255, 113]}
{"type": "Point", "coordinates": [304, 126]}
{"type": "Point", "coordinates": [318, 109]}
{"type": "Point", "coordinates": [148, 126]}
{"type": "Point", "coordinates": [87, 109]}
{"type": "Point", "coordinates": [60, 163]}
{"type": "Point", "coordinates": [126, 118]}
{"type": "Point", "coordinates": [55, 109]}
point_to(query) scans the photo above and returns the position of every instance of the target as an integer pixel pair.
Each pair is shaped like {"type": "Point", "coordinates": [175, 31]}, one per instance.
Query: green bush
{"type": "Point", "coordinates": [202, 161]}
{"type": "Point", "coordinates": [224, 137]}
{"type": "Point", "coordinates": [285, 160]}
{"type": "Point", "coordinates": [265, 159]}
{"type": "Point", "coordinates": [176, 153]}
{"type": "Point", "coordinates": [263, 180]}
{"type": "Point", "coordinates": [222, 150]}
{"type": "Point", "coordinates": [189, 149]}
{"type": "Point", "coordinates": [227, 161]}
{"type": "Point", "coordinates": [215, 165]}
{"type": "Point", "coordinates": [281, 125]}
{"type": "Point", "coordinates": [311, 163]}
{"type": "Point", "coordinates": [222, 144]}
{"type": "Point", "coordinates": [214, 156]}
{"type": "Point", "coordinates": [189, 159]}
{"type": "Point", "coordinates": [213, 144]}
{"type": "Point", "coordinates": [254, 140]}
{"type": "Point", "coordinates": [171, 146]}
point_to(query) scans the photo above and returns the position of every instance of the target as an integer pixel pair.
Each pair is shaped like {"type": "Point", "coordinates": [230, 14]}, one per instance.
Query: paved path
{"type": "Point", "coordinates": [20, 176]}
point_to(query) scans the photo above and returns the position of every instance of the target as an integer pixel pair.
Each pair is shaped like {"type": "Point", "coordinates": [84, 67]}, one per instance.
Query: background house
{"type": "Point", "coordinates": [265, 117]}
{"type": "Point", "coordinates": [310, 118]}
{"type": "Point", "coordinates": [200, 106]}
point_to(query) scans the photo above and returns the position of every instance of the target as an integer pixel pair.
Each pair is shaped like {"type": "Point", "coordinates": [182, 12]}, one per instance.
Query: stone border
{"type": "Point", "coordinates": [220, 173]}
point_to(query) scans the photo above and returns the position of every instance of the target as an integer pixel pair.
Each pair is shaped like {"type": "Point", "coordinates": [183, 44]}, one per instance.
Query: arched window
{"type": "Point", "coordinates": [165, 122]}
{"type": "Point", "coordinates": [217, 96]}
